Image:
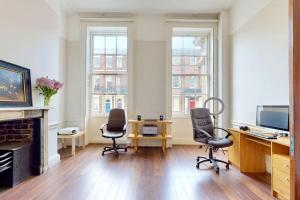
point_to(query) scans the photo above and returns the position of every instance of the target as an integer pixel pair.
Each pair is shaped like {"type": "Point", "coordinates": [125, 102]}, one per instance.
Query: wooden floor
{"type": "Point", "coordinates": [148, 174]}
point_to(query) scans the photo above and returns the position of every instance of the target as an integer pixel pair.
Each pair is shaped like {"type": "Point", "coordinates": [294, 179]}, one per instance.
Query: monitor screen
{"type": "Point", "coordinates": [276, 117]}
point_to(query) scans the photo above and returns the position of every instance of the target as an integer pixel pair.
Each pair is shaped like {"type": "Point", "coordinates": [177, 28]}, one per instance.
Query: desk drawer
{"type": "Point", "coordinates": [282, 163]}
{"type": "Point", "coordinates": [281, 183]}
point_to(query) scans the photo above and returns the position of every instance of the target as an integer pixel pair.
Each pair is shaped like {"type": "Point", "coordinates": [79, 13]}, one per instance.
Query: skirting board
{"type": "Point", "coordinates": [53, 160]}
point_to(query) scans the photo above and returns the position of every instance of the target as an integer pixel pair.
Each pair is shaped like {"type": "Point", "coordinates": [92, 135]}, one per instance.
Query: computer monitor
{"type": "Point", "coordinates": [275, 117]}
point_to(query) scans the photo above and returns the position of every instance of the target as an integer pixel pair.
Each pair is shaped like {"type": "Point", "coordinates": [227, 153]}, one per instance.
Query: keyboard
{"type": "Point", "coordinates": [263, 135]}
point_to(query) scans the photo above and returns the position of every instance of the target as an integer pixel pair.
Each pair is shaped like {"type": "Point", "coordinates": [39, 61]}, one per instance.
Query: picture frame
{"type": "Point", "coordinates": [15, 86]}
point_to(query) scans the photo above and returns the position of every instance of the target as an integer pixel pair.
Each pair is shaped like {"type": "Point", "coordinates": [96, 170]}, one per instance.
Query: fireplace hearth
{"type": "Point", "coordinates": [23, 144]}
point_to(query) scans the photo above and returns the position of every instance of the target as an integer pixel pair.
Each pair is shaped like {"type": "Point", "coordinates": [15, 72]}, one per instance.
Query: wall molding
{"type": "Point", "coordinates": [53, 160]}
{"type": "Point", "coordinates": [52, 126]}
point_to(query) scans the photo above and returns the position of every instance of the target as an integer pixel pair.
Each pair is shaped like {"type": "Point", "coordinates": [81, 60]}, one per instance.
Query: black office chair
{"type": "Point", "coordinates": [204, 132]}
{"type": "Point", "coordinates": [115, 128]}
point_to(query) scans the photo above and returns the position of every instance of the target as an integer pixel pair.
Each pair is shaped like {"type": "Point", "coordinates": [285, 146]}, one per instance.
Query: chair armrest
{"type": "Point", "coordinates": [124, 128]}
{"type": "Point", "coordinates": [202, 131]}
{"type": "Point", "coordinates": [102, 127]}
{"type": "Point", "coordinates": [227, 131]}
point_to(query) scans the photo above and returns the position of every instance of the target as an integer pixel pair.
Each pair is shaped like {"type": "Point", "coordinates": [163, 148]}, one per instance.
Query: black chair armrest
{"type": "Point", "coordinates": [202, 131]}
{"type": "Point", "coordinates": [102, 127]}
{"type": "Point", "coordinates": [227, 131]}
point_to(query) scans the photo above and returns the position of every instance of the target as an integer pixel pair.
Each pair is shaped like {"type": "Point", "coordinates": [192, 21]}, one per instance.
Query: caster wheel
{"type": "Point", "coordinates": [197, 166]}
{"type": "Point", "coordinates": [198, 159]}
{"type": "Point", "coordinates": [126, 150]}
{"type": "Point", "coordinates": [102, 154]}
{"type": "Point", "coordinates": [217, 171]}
{"type": "Point", "coordinates": [227, 166]}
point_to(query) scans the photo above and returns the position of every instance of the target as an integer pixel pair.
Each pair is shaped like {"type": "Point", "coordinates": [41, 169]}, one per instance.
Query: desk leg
{"type": "Point", "coordinates": [164, 146]}
{"type": "Point", "coordinates": [164, 137]}
{"type": "Point", "coordinates": [136, 140]}
{"type": "Point", "coordinates": [136, 146]}
{"type": "Point", "coordinates": [73, 146]}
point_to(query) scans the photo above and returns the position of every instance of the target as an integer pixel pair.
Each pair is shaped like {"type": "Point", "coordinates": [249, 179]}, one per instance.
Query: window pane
{"type": "Point", "coordinates": [96, 61]}
{"type": "Point", "coordinates": [122, 45]}
{"type": "Point", "coordinates": [177, 45]}
{"type": "Point", "coordinates": [176, 60]}
{"type": "Point", "coordinates": [122, 62]}
{"type": "Point", "coordinates": [176, 103]}
{"type": "Point", "coordinates": [96, 103]}
{"type": "Point", "coordinates": [99, 44]}
{"type": "Point", "coordinates": [188, 46]}
{"type": "Point", "coordinates": [190, 70]}
{"type": "Point", "coordinates": [192, 82]}
{"type": "Point", "coordinates": [109, 60]}
{"type": "Point", "coordinates": [176, 81]}
{"type": "Point", "coordinates": [201, 45]}
{"type": "Point", "coordinates": [97, 84]}
{"type": "Point", "coordinates": [201, 63]}
{"type": "Point", "coordinates": [111, 45]}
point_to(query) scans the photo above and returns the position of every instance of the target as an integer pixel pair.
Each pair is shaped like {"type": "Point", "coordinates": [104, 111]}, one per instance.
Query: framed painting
{"type": "Point", "coordinates": [15, 86]}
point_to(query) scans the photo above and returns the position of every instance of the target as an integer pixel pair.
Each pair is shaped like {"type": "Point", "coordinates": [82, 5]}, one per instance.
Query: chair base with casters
{"type": "Point", "coordinates": [114, 148]}
{"type": "Point", "coordinates": [115, 128]}
{"type": "Point", "coordinates": [212, 160]}
{"type": "Point", "coordinates": [205, 133]}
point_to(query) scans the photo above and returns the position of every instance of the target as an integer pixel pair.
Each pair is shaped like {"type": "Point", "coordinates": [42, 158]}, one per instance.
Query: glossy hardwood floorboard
{"type": "Point", "coordinates": [147, 175]}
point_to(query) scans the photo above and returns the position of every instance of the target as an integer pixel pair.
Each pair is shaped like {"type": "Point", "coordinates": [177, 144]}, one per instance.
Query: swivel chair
{"type": "Point", "coordinates": [115, 128]}
{"type": "Point", "coordinates": [204, 132]}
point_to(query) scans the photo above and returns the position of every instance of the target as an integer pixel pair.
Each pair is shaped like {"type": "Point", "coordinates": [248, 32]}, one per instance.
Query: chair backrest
{"type": "Point", "coordinates": [201, 120]}
{"type": "Point", "coordinates": [116, 120]}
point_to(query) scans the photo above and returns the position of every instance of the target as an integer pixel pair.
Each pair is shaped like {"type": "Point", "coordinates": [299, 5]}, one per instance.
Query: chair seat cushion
{"type": "Point", "coordinates": [109, 134]}
{"type": "Point", "coordinates": [220, 143]}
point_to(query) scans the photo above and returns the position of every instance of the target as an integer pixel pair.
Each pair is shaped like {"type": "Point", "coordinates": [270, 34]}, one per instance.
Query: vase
{"type": "Point", "coordinates": [46, 101]}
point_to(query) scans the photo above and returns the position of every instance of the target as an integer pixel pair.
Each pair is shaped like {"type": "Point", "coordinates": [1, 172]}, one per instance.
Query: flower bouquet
{"type": "Point", "coordinates": [48, 88]}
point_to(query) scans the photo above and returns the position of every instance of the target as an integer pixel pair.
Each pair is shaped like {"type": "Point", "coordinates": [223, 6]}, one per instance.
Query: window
{"type": "Point", "coordinates": [190, 68]}
{"type": "Point", "coordinates": [108, 69]}
{"type": "Point", "coordinates": [176, 81]}
{"type": "Point", "coordinates": [176, 103]}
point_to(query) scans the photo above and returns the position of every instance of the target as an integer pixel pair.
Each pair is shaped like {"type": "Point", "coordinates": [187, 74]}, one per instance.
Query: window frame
{"type": "Point", "coordinates": [88, 28]}
{"type": "Point", "coordinates": [109, 78]}
{"type": "Point", "coordinates": [208, 27]}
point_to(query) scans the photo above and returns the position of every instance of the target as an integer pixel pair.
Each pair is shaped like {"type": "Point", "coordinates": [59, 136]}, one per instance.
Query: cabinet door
{"type": "Point", "coordinates": [234, 150]}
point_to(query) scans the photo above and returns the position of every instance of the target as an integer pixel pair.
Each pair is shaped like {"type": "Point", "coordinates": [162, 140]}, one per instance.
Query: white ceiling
{"type": "Point", "coordinates": [146, 6]}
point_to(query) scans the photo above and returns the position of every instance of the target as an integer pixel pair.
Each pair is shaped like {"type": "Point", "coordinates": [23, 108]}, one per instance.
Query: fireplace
{"type": "Point", "coordinates": [23, 144]}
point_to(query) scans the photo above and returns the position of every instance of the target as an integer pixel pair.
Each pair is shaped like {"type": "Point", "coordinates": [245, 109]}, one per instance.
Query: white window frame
{"type": "Point", "coordinates": [212, 29]}
{"type": "Point", "coordinates": [179, 98]}
{"type": "Point", "coordinates": [87, 27]}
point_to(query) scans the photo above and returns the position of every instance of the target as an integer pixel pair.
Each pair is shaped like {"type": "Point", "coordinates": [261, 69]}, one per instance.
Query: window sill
{"type": "Point", "coordinates": [99, 116]}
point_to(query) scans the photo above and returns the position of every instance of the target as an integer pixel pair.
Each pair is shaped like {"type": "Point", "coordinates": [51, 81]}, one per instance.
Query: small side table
{"type": "Point", "coordinates": [73, 137]}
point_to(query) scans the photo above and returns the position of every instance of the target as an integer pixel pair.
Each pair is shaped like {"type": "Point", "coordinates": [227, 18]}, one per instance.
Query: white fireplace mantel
{"type": "Point", "coordinates": [8, 114]}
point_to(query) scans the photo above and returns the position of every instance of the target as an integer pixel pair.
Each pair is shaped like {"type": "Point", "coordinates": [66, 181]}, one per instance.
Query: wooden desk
{"type": "Point", "coordinates": [136, 135]}
{"type": "Point", "coordinates": [248, 154]}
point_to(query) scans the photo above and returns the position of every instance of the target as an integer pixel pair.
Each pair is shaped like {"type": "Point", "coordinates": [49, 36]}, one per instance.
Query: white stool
{"type": "Point", "coordinates": [73, 137]}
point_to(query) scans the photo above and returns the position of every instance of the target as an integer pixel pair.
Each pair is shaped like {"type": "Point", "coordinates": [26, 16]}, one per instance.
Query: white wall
{"type": "Point", "coordinates": [149, 77]}
{"type": "Point", "coordinates": [149, 66]}
{"type": "Point", "coordinates": [259, 57]}
{"type": "Point", "coordinates": [32, 36]}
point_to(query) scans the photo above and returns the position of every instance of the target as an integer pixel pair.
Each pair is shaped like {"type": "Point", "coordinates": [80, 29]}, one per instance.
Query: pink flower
{"type": "Point", "coordinates": [48, 87]}
{"type": "Point", "coordinates": [57, 85]}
